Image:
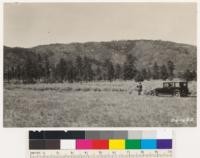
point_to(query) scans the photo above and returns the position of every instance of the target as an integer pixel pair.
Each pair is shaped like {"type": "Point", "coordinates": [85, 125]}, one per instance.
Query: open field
{"type": "Point", "coordinates": [95, 104]}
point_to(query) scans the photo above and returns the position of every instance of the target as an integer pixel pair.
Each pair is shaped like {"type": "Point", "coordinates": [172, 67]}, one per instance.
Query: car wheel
{"type": "Point", "coordinates": [154, 93]}
{"type": "Point", "coordinates": [183, 94]}
{"type": "Point", "coordinates": [177, 93]}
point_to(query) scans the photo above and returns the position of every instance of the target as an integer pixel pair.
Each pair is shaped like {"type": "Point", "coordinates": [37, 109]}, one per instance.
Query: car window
{"type": "Point", "coordinates": [177, 84]}
{"type": "Point", "coordinates": [184, 84]}
{"type": "Point", "coordinates": [165, 85]}
{"type": "Point", "coordinates": [170, 85]}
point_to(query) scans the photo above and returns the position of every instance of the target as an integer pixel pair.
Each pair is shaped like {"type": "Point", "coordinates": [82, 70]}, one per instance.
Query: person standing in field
{"type": "Point", "coordinates": [139, 88]}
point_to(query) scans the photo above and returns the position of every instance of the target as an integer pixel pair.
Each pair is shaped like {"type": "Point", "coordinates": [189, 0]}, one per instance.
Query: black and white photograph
{"type": "Point", "coordinates": [100, 64]}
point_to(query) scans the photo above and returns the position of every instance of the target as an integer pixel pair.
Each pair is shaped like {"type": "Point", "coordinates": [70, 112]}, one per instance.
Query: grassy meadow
{"type": "Point", "coordinates": [95, 104]}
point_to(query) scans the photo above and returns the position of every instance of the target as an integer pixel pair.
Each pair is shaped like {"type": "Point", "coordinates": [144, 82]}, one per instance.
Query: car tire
{"type": "Point", "coordinates": [177, 93]}
{"type": "Point", "coordinates": [183, 94]}
{"type": "Point", "coordinates": [154, 93]}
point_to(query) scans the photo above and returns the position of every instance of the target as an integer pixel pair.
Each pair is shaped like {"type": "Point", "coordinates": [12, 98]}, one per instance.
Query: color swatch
{"type": "Point", "coordinates": [148, 144]}
{"type": "Point", "coordinates": [116, 144]}
{"type": "Point", "coordinates": [101, 140]}
{"type": "Point", "coordinates": [133, 144]}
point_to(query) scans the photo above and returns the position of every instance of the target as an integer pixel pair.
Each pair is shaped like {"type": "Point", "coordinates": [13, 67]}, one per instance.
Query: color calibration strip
{"type": "Point", "coordinates": [100, 140]}
{"type": "Point", "coordinates": [113, 144]}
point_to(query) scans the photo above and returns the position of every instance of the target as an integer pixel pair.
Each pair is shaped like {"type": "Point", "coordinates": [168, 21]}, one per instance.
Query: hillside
{"type": "Point", "coordinates": [146, 52]}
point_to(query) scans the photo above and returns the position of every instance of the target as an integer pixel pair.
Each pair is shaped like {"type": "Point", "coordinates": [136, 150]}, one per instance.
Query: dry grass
{"type": "Point", "coordinates": [95, 104]}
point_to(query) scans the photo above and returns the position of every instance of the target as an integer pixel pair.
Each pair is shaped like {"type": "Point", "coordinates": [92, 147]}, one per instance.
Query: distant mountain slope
{"type": "Point", "coordinates": [146, 52]}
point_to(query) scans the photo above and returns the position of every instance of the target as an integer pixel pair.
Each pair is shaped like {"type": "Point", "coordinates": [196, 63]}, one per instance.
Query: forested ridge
{"type": "Point", "coordinates": [125, 60]}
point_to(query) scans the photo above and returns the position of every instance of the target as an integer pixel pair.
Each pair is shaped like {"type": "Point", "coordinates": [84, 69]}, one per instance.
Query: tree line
{"type": "Point", "coordinates": [38, 69]}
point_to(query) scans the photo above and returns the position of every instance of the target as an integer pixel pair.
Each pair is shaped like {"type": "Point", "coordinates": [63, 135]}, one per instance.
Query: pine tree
{"type": "Point", "coordinates": [12, 72]}
{"type": "Point", "coordinates": [189, 75]}
{"type": "Point", "coordinates": [139, 77]}
{"type": "Point", "coordinates": [7, 73]}
{"type": "Point", "coordinates": [79, 68]}
{"type": "Point", "coordinates": [194, 75]}
{"type": "Point", "coordinates": [70, 74]}
{"type": "Point", "coordinates": [149, 75]}
{"type": "Point", "coordinates": [118, 71]}
{"type": "Point", "coordinates": [155, 71]}
{"type": "Point", "coordinates": [46, 69]}
{"type": "Point", "coordinates": [171, 68]}
{"type": "Point", "coordinates": [30, 70]}
{"type": "Point", "coordinates": [19, 72]}
{"type": "Point", "coordinates": [129, 68]}
{"type": "Point", "coordinates": [110, 72]}
{"type": "Point", "coordinates": [61, 69]}
{"type": "Point", "coordinates": [144, 73]}
{"type": "Point", "coordinates": [98, 73]}
{"type": "Point", "coordinates": [88, 73]}
{"type": "Point", "coordinates": [164, 74]}
{"type": "Point", "coordinates": [40, 69]}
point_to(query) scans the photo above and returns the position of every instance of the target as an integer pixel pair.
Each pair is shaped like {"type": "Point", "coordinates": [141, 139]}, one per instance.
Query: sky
{"type": "Point", "coordinates": [32, 24]}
